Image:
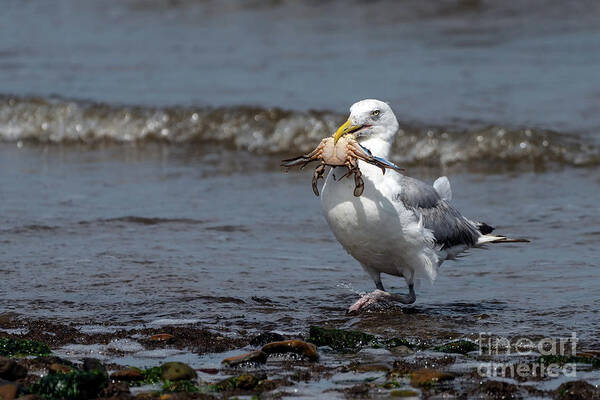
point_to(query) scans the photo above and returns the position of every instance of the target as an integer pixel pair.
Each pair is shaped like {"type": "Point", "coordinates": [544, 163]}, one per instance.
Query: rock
{"type": "Point", "coordinates": [370, 368]}
{"type": "Point", "coordinates": [177, 371]}
{"type": "Point", "coordinates": [162, 337]}
{"type": "Point", "coordinates": [404, 393]}
{"type": "Point", "coordinates": [45, 361]}
{"type": "Point", "coordinates": [8, 391]}
{"type": "Point", "coordinates": [401, 351]}
{"type": "Point", "coordinates": [577, 390]}
{"type": "Point", "coordinates": [127, 375]}
{"type": "Point", "coordinates": [93, 364]}
{"type": "Point", "coordinates": [428, 377]}
{"type": "Point", "coordinates": [11, 370]}
{"type": "Point", "coordinates": [296, 346]}
{"type": "Point", "coordinates": [258, 356]}
{"type": "Point", "coordinates": [266, 337]}
{"type": "Point", "coordinates": [241, 382]}
{"type": "Point", "coordinates": [56, 368]}
{"type": "Point", "coordinates": [459, 347]}
{"type": "Point", "coordinates": [339, 339]}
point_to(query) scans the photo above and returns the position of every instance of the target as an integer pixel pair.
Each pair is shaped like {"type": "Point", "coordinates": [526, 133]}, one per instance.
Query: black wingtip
{"type": "Point", "coordinates": [485, 228]}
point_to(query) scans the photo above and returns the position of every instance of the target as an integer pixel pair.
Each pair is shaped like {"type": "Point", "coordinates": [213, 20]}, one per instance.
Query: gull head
{"type": "Point", "coordinates": [369, 119]}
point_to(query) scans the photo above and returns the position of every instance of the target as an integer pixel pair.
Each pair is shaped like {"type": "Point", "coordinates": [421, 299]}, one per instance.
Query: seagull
{"type": "Point", "coordinates": [400, 225]}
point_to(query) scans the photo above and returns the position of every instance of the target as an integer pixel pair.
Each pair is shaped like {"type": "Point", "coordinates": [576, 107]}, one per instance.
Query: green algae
{"type": "Point", "coordinates": [340, 340]}
{"type": "Point", "coordinates": [240, 382]}
{"type": "Point", "coordinates": [10, 347]}
{"type": "Point", "coordinates": [74, 385]}
{"type": "Point", "coordinates": [458, 347]}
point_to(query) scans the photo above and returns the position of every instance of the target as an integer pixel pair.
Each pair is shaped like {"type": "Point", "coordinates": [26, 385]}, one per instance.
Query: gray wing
{"type": "Point", "coordinates": [449, 227]}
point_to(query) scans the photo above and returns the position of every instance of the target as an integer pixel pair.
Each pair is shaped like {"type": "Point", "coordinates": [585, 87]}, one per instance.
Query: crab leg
{"type": "Point", "coordinates": [359, 184]}
{"type": "Point", "coordinates": [317, 175]}
{"type": "Point", "coordinates": [362, 153]}
{"type": "Point", "coordinates": [304, 160]}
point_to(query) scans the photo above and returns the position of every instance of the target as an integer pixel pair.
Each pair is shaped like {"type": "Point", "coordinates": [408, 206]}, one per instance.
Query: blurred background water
{"type": "Point", "coordinates": [140, 142]}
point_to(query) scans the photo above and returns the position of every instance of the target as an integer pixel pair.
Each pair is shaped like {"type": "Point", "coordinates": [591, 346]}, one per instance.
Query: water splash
{"type": "Point", "coordinates": [277, 131]}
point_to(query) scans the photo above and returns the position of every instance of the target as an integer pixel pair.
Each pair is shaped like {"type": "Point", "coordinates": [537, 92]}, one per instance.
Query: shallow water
{"type": "Point", "coordinates": [132, 235]}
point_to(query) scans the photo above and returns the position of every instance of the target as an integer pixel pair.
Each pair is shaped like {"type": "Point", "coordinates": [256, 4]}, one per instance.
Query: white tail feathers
{"type": "Point", "coordinates": [485, 239]}
{"type": "Point", "coordinates": [442, 186]}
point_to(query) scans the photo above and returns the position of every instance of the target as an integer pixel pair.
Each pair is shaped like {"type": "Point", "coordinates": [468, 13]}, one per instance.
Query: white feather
{"type": "Point", "coordinates": [442, 186]}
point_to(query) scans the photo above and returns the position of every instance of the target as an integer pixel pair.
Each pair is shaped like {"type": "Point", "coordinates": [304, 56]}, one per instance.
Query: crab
{"type": "Point", "coordinates": [345, 152]}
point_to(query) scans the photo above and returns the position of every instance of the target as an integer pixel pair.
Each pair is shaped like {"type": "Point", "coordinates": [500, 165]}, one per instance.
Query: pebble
{"type": "Point", "coordinates": [177, 371]}
{"type": "Point", "coordinates": [402, 351]}
{"type": "Point", "coordinates": [427, 376]}
{"type": "Point", "coordinates": [55, 368]}
{"type": "Point", "coordinates": [128, 375]}
{"type": "Point", "coordinates": [296, 346]}
{"type": "Point", "coordinates": [258, 356]}
{"type": "Point", "coordinates": [162, 337]}
{"type": "Point", "coordinates": [8, 391]}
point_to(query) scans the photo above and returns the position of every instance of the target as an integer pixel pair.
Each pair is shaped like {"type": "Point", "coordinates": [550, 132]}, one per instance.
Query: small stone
{"type": "Point", "coordinates": [266, 337]}
{"type": "Point", "coordinates": [127, 375]}
{"type": "Point", "coordinates": [177, 371]}
{"type": "Point", "coordinates": [11, 370]}
{"type": "Point", "coordinates": [8, 391]}
{"type": "Point", "coordinates": [296, 346]}
{"type": "Point", "coordinates": [404, 393]}
{"type": "Point", "coordinates": [210, 371]}
{"type": "Point", "coordinates": [371, 368]}
{"type": "Point", "coordinates": [402, 351]}
{"type": "Point", "coordinates": [428, 377]}
{"type": "Point", "coordinates": [253, 357]}
{"type": "Point", "coordinates": [56, 368]}
{"type": "Point", "coordinates": [162, 337]}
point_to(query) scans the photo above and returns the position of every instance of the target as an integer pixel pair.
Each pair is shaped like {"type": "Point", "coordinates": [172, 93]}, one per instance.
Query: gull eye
{"type": "Point", "coordinates": [375, 113]}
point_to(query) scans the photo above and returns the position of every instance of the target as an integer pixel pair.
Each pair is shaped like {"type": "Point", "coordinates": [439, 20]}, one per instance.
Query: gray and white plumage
{"type": "Point", "coordinates": [399, 226]}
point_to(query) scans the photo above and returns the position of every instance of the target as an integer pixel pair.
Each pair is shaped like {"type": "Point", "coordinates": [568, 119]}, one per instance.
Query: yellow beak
{"type": "Point", "coordinates": [345, 129]}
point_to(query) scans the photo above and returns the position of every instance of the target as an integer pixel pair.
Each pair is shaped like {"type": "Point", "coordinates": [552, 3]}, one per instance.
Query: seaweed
{"type": "Point", "coordinates": [74, 385]}
{"type": "Point", "coordinates": [10, 347]}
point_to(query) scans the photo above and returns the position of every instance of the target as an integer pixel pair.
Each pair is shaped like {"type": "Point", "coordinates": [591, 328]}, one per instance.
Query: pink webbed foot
{"type": "Point", "coordinates": [377, 296]}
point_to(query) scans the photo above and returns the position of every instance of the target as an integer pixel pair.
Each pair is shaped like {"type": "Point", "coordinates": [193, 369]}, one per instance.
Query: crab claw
{"type": "Point", "coordinates": [316, 176]}
{"type": "Point", "coordinates": [301, 161]}
{"type": "Point", "coordinates": [382, 163]}
{"type": "Point", "coordinates": [359, 184]}
{"type": "Point", "coordinates": [377, 296]}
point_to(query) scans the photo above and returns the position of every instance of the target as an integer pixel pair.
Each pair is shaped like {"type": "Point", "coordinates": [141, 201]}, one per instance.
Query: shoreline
{"type": "Point", "coordinates": [347, 363]}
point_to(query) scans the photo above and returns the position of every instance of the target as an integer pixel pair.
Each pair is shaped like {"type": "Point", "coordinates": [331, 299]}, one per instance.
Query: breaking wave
{"type": "Point", "coordinates": [275, 131]}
